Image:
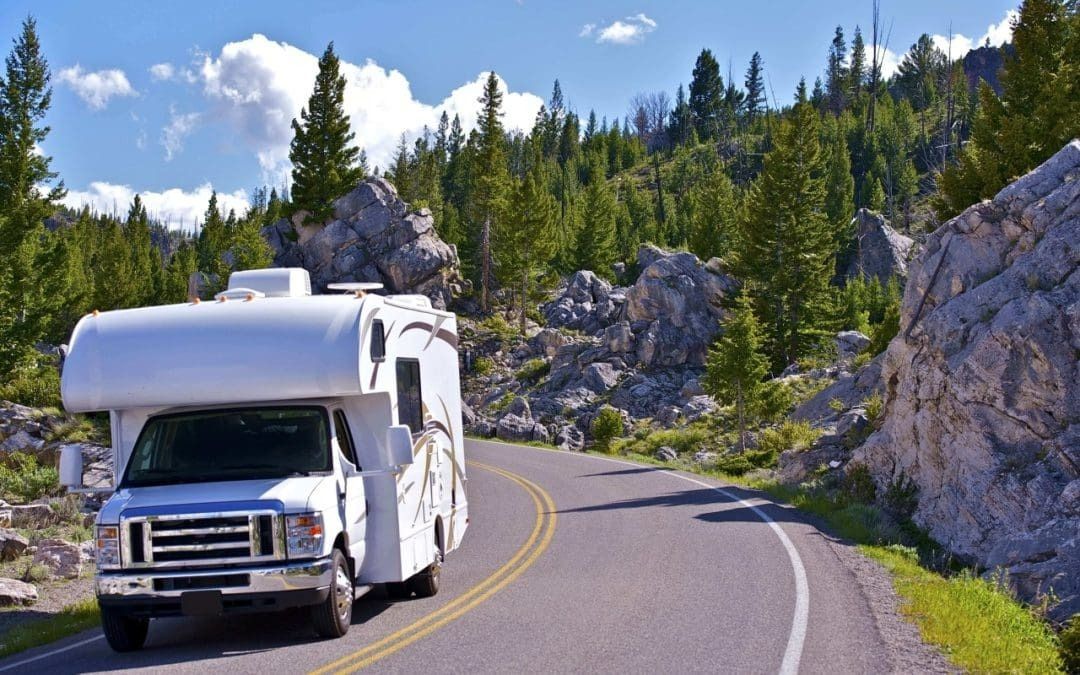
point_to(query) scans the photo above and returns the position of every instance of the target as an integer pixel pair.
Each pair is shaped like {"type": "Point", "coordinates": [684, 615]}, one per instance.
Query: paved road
{"type": "Point", "coordinates": [572, 563]}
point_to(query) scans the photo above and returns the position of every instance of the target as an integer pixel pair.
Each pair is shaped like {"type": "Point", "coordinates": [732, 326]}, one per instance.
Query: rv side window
{"type": "Point", "coordinates": [344, 438]}
{"type": "Point", "coordinates": [378, 341]}
{"type": "Point", "coordinates": [410, 410]}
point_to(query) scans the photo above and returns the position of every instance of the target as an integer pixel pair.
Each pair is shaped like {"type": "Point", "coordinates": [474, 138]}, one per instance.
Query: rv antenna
{"type": "Point", "coordinates": [352, 287]}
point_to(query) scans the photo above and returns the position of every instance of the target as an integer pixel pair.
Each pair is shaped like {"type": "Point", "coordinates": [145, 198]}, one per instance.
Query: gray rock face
{"type": "Point", "coordinates": [982, 385]}
{"type": "Point", "coordinates": [666, 454]}
{"type": "Point", "coordinates": [851, 342]}
{"type": "Point", "coordinates": [373, 237]}
{"type": "Point", "coordinates": [15, 592]}
{"type": "Point", "coordinates": [881, 251]}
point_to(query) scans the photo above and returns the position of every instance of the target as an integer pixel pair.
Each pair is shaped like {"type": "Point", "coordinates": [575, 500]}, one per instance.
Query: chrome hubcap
{"type": "Point", "coordinates": [343, 589]}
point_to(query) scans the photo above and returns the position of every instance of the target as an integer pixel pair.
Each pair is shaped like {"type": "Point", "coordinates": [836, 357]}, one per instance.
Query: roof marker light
{"type": "Point", "coordinates": [96, 313]}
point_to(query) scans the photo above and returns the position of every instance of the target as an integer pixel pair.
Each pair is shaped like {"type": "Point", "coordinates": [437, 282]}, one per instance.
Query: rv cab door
{"type": "Point", "coordinates": [354, 503]}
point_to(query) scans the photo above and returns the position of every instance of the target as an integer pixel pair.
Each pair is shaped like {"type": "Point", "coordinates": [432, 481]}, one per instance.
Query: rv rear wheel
{"type": "Point", "coordinates": [123, 632]}
{"type": "Point", "coordinates": [333, 616]}
{"type": "Point", "coordinates": [426, 583]}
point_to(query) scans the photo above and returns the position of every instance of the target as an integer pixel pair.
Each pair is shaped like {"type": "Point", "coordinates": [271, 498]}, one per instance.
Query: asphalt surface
{"type": "Point", "coordinates": [572, 563]}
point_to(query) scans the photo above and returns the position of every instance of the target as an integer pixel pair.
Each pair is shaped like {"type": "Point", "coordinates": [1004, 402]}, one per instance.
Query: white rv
{"type": "Point", "coordinates": [272, 449]}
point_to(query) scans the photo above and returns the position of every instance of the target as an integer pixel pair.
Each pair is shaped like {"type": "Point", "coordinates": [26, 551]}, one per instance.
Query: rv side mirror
{"type": "Point", "coordinates": [71, 467]}
{"type": "Point", "coordinates": [399, 439]}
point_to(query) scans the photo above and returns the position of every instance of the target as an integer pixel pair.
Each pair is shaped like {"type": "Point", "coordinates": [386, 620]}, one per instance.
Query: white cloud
{"type": "Point", "coordinates": [96, 88]}
{"type": "Point", "coordinates": [173, 134]}
{"type": "Point", "coordinates": [162, 71]}
{"type": "Point", "coordinates": [890, 62]}
{"type": "Point", "coordinates": [175, 206]}
{"type": "Point", "coordinates": [259, 86]}
{"type": "Point", "coordinates": [587, 30]}
{"type": "Point", "coordinates": [628, 31]}
{"type": "Point", "coordinates": [996, 34]}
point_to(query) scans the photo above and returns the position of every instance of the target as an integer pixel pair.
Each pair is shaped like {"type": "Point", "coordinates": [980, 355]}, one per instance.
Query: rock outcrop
{"type": "Point", "coordinates": [982, 384]}
{"type": "Point", "coordinates": [373, 237]}
{"type": "Point", "coordinates": [880, 251]}
{"type": "Point", "coordinates": [640, 348]}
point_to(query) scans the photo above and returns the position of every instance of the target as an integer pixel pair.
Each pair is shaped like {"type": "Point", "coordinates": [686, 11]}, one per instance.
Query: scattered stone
{"type": "Point", "coordinates": [14, 592]}
{"type": "Point", "coordinates": [12, 544]}
{"type": "Point", "coordinates": [33, 516]}
{"type": "Point", "coordinates": [704, 457]}
{"type": "Point", "coordinates": [852, 423]}
{"type": "Point", "coordinates": [600, 377]}
{"type": "Point", "coordinates": [666, 454]}
{"type": "Point", "coordinates": [63, 558]}
{"type": "Point", "coordinates": [850, 342]}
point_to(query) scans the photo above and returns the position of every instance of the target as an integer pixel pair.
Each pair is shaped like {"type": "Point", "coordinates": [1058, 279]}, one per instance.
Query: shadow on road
{"type": "Point", "coordinates": [622, 472]}
{"type": "Point", "coordinates": [184, 640]}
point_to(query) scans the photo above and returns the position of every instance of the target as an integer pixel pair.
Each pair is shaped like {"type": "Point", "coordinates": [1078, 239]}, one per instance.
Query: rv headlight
{"type": "Point", "coordinates": [304, 534]}
{"type": "Point", "coordinates": [107, 546]}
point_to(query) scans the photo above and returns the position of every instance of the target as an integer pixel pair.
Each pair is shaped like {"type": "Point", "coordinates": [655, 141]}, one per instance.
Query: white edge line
{"type": "Point", "coordinates": [793, 652]}
{"type": "Point", "coordinates": [52, 653]}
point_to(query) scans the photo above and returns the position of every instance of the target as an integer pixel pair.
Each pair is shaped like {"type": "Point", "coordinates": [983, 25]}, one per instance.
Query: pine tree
{"type": "Point", "coordinates": [137, 232]}
{"type": "Point", "coordinates": [595, 244]}
{"type": "Point", "coordinates": [1033, 118]}
{"type": "Point", "coordinates": [755, 89]}
{"type": "Point", "coordinates": [681, 122]}
{"type": "Point", "coordinates": [836, 74]}
{"type": "Point", "coordinates": [920, 73]}
{"type": "Point", "coordinates": [212, 244]}
{"type": "Point", "coordinates": [182, 264]}
{"type": "Point", "coordinates": [839, 193]}
{"type": "Point", "coordinates": [706, 96]}
{"type": "Point", "coordinates": [248, 247]}
{"type": "Point", "coordinates": [324, 158]}
{"type": "Point", "coordinates": [490, 184]}
{"type": "Point", "coordinates": [527, 241]}
{"type": "Point", "coordinates": [715, 216]}
{"type": "Point", "coordinates": [115, 285]}
{"type": "Point", "coordinates": [787, 248]}
{"type": "Point", "coordinates": [857, 68]}
{"type": "Point", "coordinates": [736, 367]}
{"type": "Point", "coordinates": [25, 198]}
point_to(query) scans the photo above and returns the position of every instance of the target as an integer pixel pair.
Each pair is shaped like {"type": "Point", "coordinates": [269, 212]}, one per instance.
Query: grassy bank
{"type": "Point", "coordinates": [36, 632]}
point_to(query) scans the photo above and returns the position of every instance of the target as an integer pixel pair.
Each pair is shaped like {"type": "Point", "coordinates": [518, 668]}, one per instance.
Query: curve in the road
{"type": "Point", "coordinates": [800, 618]}
{"type": "Point", "coordinates": [533, 548]}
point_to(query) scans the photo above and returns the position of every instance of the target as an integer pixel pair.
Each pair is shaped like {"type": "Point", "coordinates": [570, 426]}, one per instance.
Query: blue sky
{"type": "Point", "coordinates": [172, 99]}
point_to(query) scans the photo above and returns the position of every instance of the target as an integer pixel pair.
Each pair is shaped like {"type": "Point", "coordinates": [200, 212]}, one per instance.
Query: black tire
{"type": "Point", "coordinates": [426, 583]}
{"type": "Point", "coordinates": [123, 632]}
{"type": "Point", "coordinates": [333, 616]}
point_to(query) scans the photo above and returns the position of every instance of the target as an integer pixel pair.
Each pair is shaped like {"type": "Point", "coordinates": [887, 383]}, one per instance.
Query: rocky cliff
{"type": "Point", "coordinates": [982, 385]}
{"type": "Point", "coordinates": [880, 251]}
{"type": "Point", "coordinates": [373, 237]}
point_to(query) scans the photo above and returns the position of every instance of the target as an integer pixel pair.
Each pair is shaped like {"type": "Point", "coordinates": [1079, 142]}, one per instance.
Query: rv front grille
{"type": "Point", "coordinates": [202, 539]}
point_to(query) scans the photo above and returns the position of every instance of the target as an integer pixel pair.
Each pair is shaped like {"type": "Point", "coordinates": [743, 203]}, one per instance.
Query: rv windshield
{"type": "Point", "coordinates": [238, 444]}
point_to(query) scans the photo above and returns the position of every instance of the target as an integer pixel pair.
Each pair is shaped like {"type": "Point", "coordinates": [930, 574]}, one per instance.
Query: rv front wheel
{"type": "Point", "coordinates": [333, 616]}
{"type": "Point", "coordinates": [123, 632]}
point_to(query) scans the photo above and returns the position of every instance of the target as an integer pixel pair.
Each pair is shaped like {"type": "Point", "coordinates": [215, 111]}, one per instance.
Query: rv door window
{"type": "Point", "coordinates": [410, 407]}
{"type": "Point", "coordinates": [344, 438]}
{"type": "Point", "coordinates": [378, 341]}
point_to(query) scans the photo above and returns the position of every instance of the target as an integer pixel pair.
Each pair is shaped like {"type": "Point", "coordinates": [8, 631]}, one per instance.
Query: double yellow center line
{"type": "Point", "coordinates": [538, 541]}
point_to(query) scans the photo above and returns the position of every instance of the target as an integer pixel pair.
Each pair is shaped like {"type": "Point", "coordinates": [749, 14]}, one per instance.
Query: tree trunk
{"type": "Point", "coordinates": [485, 264]}
{"type": "Point", "coordinates": [524, 295]}
{"type": "Point", "coordinates": [742, 421]}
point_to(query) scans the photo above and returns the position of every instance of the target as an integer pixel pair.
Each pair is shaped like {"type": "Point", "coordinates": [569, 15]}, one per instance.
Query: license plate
{"type": "Point", "coordinates": [201, 603]}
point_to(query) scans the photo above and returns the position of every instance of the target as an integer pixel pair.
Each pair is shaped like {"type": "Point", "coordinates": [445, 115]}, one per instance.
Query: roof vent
{"type": "Point", "coordinates": [353, 286]}
{"type": "Point", "coordinates": [275, 282]}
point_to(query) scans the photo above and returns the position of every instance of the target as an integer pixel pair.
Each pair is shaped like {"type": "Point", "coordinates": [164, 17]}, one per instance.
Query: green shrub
{"type": "Point", "coordinates": [37, 388]}
{"type": "Point", "coordinates": [504, 402]}
{"type": "Point", "coordinates": [606, 427]}
{"type": "Point", "coordinates": [69, 508]}
{"type": "Point", "coordinates": [1070, 645]}
{"type": "Point", "coordinates": [860, 360]}
{"type": "Point", "coordinates": [532, 370]}
{"type": "Point", "coordinates": [500, 327]}
{"type": "Point", "coordinates": [75, 429]}
{"type": "Point", "coordinates": [836, 405]}
{"type": "Point", "coordinates": [736, 464]}
{"type": "Point", "coordinates": [901, 497]}
{"type": "Point", "coordinates": [36, 573]}
{"type": "Point", "coordinates": [858, 486]}
{"type": "Point", "coordinates": [483, 365]}
{"type": "Point", "coordinates": [788, 435]}
{"type": "Point", "coordinates": [873, 406]}
{"type": "Point", "coordinates": [684, 440]}
{"type": "Point", "coordinates": [24, 479]}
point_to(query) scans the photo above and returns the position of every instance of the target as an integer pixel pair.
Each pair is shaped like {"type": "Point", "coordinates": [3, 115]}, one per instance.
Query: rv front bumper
{"type": "Point", "coordinates": [241, 589]}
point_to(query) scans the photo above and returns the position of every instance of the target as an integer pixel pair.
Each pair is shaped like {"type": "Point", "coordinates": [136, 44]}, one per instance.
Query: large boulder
{"type": "Point", "coordinates": [880, 250]}
{"type": "Point", "coordinates": [982, 384]}
{"type": "Point", "coordinates": [586, 303]}
{"type": "Point", "coordinates": [62, 558]}
{"type": "Point", "coordinates": [372, 237]}
{"type": "Point", "coordinates": [679, 301]}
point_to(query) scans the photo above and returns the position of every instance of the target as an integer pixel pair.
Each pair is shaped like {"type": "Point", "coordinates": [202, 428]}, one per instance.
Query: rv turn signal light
{"type": "Point", "coordinates": [304, 534]}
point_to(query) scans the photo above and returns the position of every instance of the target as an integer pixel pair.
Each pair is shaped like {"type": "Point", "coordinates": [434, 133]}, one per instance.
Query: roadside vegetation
{"type": "Point", "coordinates": [75, 618]}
